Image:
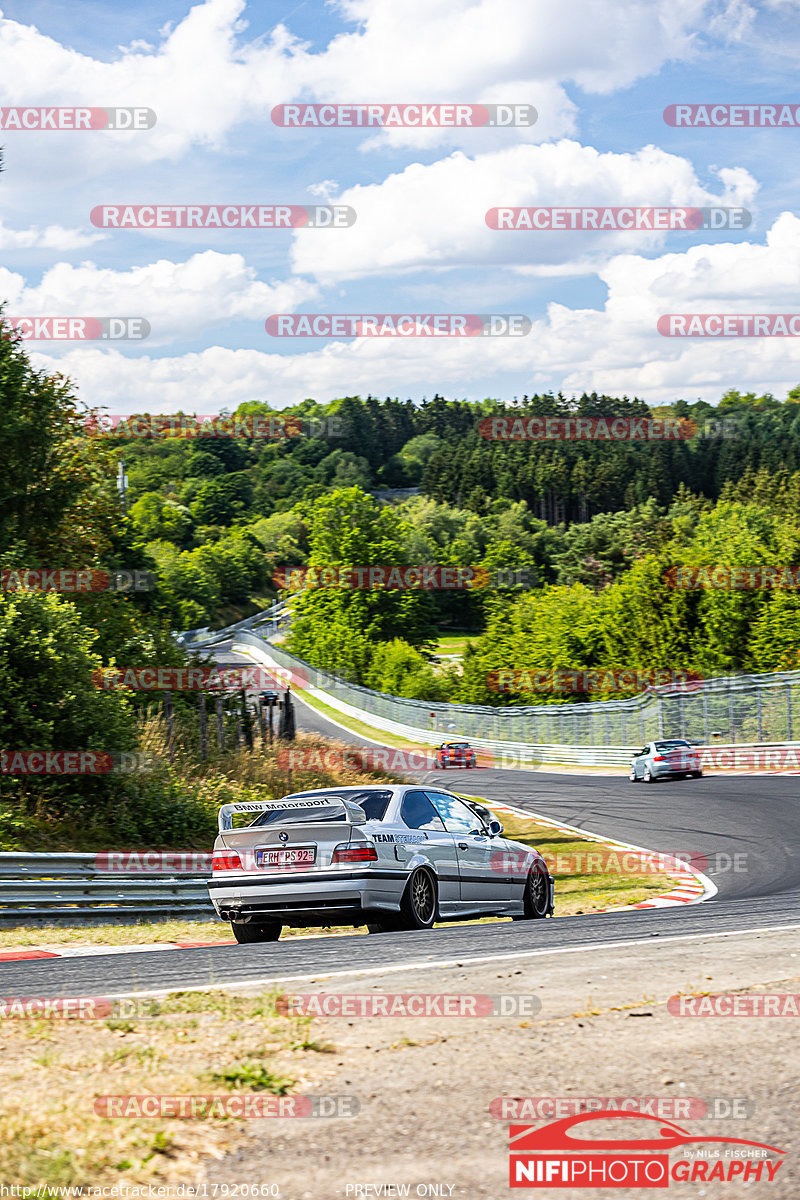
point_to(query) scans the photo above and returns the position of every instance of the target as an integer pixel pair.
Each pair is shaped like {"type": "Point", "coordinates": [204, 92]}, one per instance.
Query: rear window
{"type": "Point", "coordinates": [318, 813]}
{"type": "Point", "coordinates": [673, 745]}
{"type": "Point", "coordinates": [374, 803]}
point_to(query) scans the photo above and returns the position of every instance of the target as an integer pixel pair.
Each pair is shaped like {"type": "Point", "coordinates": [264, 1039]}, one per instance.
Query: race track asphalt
{"type": "Point", "coordinates": [755, 817]}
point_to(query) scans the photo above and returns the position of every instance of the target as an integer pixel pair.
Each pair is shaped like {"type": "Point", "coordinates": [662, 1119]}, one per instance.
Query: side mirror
{"type": "Point", "coordinates": [495, 829]}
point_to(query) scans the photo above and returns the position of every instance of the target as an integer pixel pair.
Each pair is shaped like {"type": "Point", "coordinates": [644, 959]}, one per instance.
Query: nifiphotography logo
{"type": "Point", "coordinates": [564, 1154]}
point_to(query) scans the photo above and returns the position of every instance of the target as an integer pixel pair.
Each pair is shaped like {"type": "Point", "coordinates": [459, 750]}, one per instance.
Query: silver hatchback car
{"type": "Point", "coordinates": [386, 856]}
{"type": "Point", "coordinates": [672, 758]}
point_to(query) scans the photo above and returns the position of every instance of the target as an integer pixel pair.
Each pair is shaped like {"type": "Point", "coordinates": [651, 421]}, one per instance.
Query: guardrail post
{"type": "Point", "coordinates": [248, 728]}
{"type": "Point", "coordinates": [220, 724]}
{"type": "Point", "coordinates": [758, 714]}
{"type": "Point", "coordinates": [201, 718]}
{"type": "Point", "coordinates": [169, 718]}
{"type": "Point", "coordinates": [705, 715]}
{"type": "Point", "coordinates": [789, 736]}
{"type": "Point", "coordinates": [731, 714]}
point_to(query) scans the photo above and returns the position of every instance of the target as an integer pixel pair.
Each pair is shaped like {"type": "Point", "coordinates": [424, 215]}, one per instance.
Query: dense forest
{"type": "Point", "coordinates": [588, 530]}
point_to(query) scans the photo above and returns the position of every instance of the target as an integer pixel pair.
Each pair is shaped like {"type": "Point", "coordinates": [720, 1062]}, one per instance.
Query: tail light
{"type": "Point", "coordinates": [354, 852]}
{"type": "Point", "coordinates": [227, 860]}
{"type": "Point", "coordinates": [659, 758]}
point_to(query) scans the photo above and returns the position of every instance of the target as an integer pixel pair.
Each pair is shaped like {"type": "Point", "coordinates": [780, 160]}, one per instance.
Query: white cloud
{"type": "Point", "coordinates": [520, 51]}
{"type": "Point", "coordinates": [52, 237]}
{"type": "Point", "coordinates": [432, 217]}
{"type": "Point", "coordinates": [617, 350]}
{"type": "Point", "coordinates": [178, 299]}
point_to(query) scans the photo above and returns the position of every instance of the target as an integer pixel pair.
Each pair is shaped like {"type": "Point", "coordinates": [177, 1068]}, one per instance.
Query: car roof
{"type": "Point", "coordinates": [396, 788]}
{"type": "Point", "coordinates": [345, 787]}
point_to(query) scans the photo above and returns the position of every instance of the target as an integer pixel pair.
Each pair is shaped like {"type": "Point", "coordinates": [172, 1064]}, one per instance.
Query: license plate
{"type": "Point", "coordinates": [298, 856]}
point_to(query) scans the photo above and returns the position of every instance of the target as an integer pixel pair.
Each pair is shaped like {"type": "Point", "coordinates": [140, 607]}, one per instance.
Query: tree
{"type": "Point", "coordinates": [57, 501]}
{"type": "Point", "coordinates": [335, 627]}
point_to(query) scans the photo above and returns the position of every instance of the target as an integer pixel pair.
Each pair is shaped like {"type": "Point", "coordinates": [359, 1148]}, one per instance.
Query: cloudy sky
{"type": "Point", "coordinates": [599, 76]}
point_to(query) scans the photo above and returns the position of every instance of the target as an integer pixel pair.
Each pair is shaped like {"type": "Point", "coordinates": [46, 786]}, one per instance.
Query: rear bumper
{"type": "Point", "coordinates": [332, 898]}
{"type": "Point", "coordinates": [664, 771]}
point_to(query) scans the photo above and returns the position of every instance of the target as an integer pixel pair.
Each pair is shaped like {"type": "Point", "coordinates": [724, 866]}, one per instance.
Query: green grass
{"type": "Point", "coordinates": [253, 1076]}
{"type": "Point", "coordinates": [360, 727]}
{"type": "Point", "coordinates": [454, 643]}
{"type": "Point", "coordinates": [579, 891]}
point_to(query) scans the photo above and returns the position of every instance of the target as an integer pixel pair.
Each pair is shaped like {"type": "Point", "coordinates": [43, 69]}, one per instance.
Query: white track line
{"type": "Point", "coordinates": [694, 886]}
{"type": "Point", "coordinates": [458, 961]}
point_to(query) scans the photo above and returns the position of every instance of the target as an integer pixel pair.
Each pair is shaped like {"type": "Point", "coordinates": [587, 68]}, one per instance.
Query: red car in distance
{"type": "Point", "coordinates": [456, 754]}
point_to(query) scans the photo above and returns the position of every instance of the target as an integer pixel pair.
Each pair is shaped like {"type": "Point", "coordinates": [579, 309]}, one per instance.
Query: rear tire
{"type": "Point", "coordinates": [419, 903]}
{"type": "Point", "coordinates": [696, 775]}
{"type": "Point", "coordinates": [246, 932]}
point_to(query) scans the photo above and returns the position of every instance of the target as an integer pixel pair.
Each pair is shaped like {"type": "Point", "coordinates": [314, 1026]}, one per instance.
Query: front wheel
{"type": "Point", "coordinates": [248, 932]}
{"type": "Point", "coordinates": [632, 778]}
{"type": "Point", "coordinates": [537, 895]}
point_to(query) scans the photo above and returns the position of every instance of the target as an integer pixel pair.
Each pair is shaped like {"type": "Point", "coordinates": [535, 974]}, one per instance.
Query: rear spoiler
{"type": "Point", "coordinates": [353, 813]}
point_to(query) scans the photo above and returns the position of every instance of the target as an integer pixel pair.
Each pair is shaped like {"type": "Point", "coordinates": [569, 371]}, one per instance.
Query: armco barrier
{"type": "Point", "coordinates": [741, 757]}
{"type": "Point", "coordinates": [41, 889]}
{"type": "Point", "coordinates": [199, 639]}
{"type": "Point", "coordinates": [738, 709]}
{"type": "Point", "coordinates": [505, 753]}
